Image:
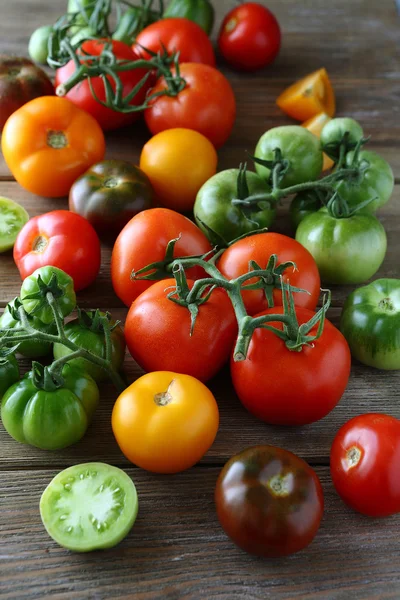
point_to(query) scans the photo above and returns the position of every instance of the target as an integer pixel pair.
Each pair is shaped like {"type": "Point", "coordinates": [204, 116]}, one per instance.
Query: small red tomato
{"type": "Point", "coordinates": [61, 239]}
{"type": "Point", "coordinates": [250, 37]}
{"type": "Point", "coordinates": [365, 464]}
{"type": "Point", "coordinates": [269, 501]}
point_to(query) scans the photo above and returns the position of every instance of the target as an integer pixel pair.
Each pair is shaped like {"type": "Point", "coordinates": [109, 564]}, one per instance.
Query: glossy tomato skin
{"type": "Point", "coordinates": [144, 241]}
{"type": "Point", "coordinates": [302, 205]}
{"type": "Point", "coordinates": [365, 459]}
{"type": "Point", "coordinates": [61, 239]}
{"type": "Point", "coordinates": [207, 104]}
{"type": "Point", "coordinates": [235, 262]}
{"type": "Point", "coordinates": [20, 82]}
{"type": "Point", "coordinates": [110, 194]}
{"type": "Point", "coordinates": [346, 250]}
{"type": "Point", "coordinates": [157, 332]}
{"type": "Point", "coordinates": [165, 422]}
{"type": "Point", "coordinates": [176, 35]}
{"type": "Point", "coordinates": [250, 37]}
{"type": "Point", "coordinates": [81, 95]}
{"type": "Point", "coordinates": [48, 143]}
{"type": "Point", "coordinates": [200, 11]}
{"type": "Point", "coordinates": [370, 322]}
{"type": "Point", "coordinates": [269, 501]}
{"type": "Point", "coordinates": [285, 387]}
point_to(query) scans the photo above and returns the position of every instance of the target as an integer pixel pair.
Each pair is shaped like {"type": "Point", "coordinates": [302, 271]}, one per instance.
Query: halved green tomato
{"type": "Point", "coordinates": [89, 507]}
{"type": "Point", "coordinates": [13, 217]}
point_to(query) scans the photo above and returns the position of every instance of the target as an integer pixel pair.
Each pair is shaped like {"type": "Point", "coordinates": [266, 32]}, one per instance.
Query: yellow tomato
{"type": "Point", "coordinates": [178, 162]}
{"type": "Point", "coordinates": [316, 125]}
{"type": "Point", "coordinates": [165, 422]}
{"type": "Point", "coordinates": [308, 97]}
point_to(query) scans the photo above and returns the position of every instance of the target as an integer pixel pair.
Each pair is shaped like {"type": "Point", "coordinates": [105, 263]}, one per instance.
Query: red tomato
{"type": "Point", "coordinates": [365, 464]}
{"type": "Point", "coordinates": [285, 387]}
{"type": "Point", "coordinates": [207, 104]}
{"type": "Point", "coordinates": [82, 96]}
{"type": "Point", "coordinates": [235, 262]}
{"type": "Point", "coordinates": [144, 240]}
{"type": "Point", "coordinates": [176, 35]}
{"type": "Point", "coordinates": [157, 332]}
{"type": "Point", "coordinates": [60, 239]}
{"type": "Point", "coordinates": [250, 37]}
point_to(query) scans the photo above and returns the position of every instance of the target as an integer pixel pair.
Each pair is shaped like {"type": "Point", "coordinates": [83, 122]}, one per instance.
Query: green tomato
{"type": "Point", "coordinates": [298, 146]}
{"type": "Point", "coordinates": [89, 507]}
{"type": "Point", "coordinates": [200, 11]}
{"type": "Point", "coordinates": [302, 205]}
{"type": "Point", "coordinates": [91, 337]}
{"type": "Point", "coordinates": [348, 250]}
{"type": "Point", "coordinates": [374, 180]}
{"type": "Point", "coordinates": [32, 348]}
{"type": "Point", "coordinates": [54, 419]}
{"type": "Point", "coordinates": [34, 288]}
{"type": "Point", "coordinates": [333, 133]}
{"type": "Point", "coordinates": [370, 323]}
{"type": "Point", "coordinates": [13, 217]}
{"type": "Point", "coordinates": [9, 373]}
{"type": "Point", "coordinates": [39, 44]}
{"type": "Point", "coordinates": [214, 210]}
{"type": "Point", "coordinates": [132, 22]}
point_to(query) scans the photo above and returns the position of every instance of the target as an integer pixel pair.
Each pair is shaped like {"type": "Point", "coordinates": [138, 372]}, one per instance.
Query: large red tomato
{"type": "Point", "coordinates": [365, 464]}
{"type": "Point", "coordinates": [176, 35]}
{"type": "Point", "coordinates": [60, 239]}
{"type": "Point", "coordinates": [157, 332]}
{"type": "Point", "coordinates": [235, 262]}
{"type": "Point", "coordinates": [144, 241]}
{"type": "Point", "coordinates": [288, 387]}
{"type": "Point", "coordinates": [207, 104]}
{"type": "Point", "coordinates": [81, 94]}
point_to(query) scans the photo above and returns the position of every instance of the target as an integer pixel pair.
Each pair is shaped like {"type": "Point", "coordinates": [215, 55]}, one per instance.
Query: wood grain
{"type": "Point", "coordinates": [178, 551]}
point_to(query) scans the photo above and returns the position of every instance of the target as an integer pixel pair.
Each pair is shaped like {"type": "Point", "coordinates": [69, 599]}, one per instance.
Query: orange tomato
{"type": "Point", "coordinates": [178, 162]}
{"type": "Point", "coordinates": [308, 97]}
{"type": "Point", "coordinates": [316, 125]}
{"type": "Point", "coordinates": [48, 143]}
{"type": "Point", "coordinates": [165, 422]}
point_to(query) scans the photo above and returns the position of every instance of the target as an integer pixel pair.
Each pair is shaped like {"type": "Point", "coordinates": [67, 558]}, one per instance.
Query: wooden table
{"type": "Point", "coordinates": [177, 549]}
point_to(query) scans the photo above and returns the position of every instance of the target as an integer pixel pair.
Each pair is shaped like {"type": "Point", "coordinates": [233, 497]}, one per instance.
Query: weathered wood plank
{"type": "Point", "coordinates": [177, 550]}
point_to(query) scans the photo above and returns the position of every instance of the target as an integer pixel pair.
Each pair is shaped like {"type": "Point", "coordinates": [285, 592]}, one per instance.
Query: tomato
{"type": "Point", "coordinates": [178, 162]}
{"type": "Point", "coordinates": [157, 332]}
{"type": "Point", "coordinates": [88, 507]}
{"type": "Point", "coordinates": [11, 319]}
{"type": "Point", "coordinates": [176, 35]}
{"type": "Point", "coordinates": [308, 97]}
{"type": "Point", "coordinates": [9, 372]}
{"type": "Point", "coordinates": [365, 464]}
{"type": "Point", "coordinates": [302, 205]}
{"type": "Point", "coordinates": [48, 143]}
{"type": "Point", "coordinates": [200, 11]}
{"type": "Point", "coordinates": [298, 146]}
{"type": "Point", "coordinates": [370, 323]}
{"type": "Point", "coordinates": [144, 241]}
{"type": "Point", "coordinates": [250, 37]}
{"type": "Point", "coordinates": [346, 250]}
{"type": "Point", "coordinates": [48, 416]}
{"type": "Point", "coordinates": [374, 179]}
{"type": "Point", "coordinates": [316, 125]}
{"type": "Point", "coordinates": [87, 332]}
{"type": "Point", "coordinates": [285, 387]}
{"type": "Point", "coordinates": [39, 44]}
{"type": "Point", "coordinates": [269, 501]}
{"type": "Point", "coordinates": [81, 94]}
{"type": "Point", "coordinates": [20, 81]}
{"type": "Point", "coordinates": [110, 194]}
{"type": "Point", "coordinates": [38, 284]}
{"type": "Point", "coordinates": [13, 217]}
{"type": "Point", "coordinates": [333, 134]}
{"type": "Point", "coordinates": [165, 422]}
{"type": "Point", "coordinates": [207, 104]}
{"type": "Point", "coordinates": [61, 239]}
{"type": "Point", "coordinates": [214, 209]}
{"type": "Point", "coordinates": [235, 262]}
